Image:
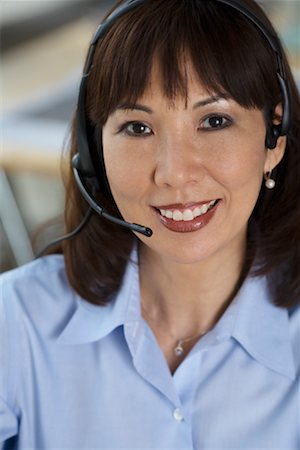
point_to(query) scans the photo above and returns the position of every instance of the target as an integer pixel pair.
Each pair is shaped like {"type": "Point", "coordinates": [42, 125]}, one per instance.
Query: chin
{"type": "Point", "coordinates": [182, 254]}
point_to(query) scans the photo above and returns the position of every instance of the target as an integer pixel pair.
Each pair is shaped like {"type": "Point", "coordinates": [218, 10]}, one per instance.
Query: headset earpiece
{"type": "Point", "coordinates": [273, 133]}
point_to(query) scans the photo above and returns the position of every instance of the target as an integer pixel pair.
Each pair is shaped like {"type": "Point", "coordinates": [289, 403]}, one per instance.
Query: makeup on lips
{"type": "Point", "coordinates": [184, 218]}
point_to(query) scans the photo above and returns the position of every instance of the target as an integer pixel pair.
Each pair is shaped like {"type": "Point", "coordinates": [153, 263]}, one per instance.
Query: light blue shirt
{"type": "Point", "coordinates": [78, 376]}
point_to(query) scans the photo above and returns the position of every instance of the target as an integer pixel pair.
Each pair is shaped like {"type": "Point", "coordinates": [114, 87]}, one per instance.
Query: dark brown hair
{"type": "Point", "coordinates": [231, 57]}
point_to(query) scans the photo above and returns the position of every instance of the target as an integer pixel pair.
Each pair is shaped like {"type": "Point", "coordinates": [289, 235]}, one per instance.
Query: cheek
{"type": "Point", "coordinates": [126, 174]}
{"type": "Point", "coordinates": [245, 169]}
{"type": "Point", "coordinates": [243, 184]}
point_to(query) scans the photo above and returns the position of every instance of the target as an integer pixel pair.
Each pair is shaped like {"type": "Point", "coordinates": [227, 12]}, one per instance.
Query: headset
{"type": "Point", "coordinates": [84, 169]}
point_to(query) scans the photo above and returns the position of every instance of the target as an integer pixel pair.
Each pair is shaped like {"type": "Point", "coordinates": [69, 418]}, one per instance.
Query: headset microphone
{"type": "Point", "coordinates": [91, 200]}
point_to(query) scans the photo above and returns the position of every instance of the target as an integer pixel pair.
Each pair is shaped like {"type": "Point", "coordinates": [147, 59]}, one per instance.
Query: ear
{"type": "Point", "coordinates": [275, 155]}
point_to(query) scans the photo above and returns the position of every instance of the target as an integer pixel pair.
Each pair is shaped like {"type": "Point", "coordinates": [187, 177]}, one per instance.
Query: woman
{"type": "Point", "coordinates": [185, 336]}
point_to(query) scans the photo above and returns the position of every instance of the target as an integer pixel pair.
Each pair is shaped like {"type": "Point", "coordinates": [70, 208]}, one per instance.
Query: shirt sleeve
{"type": "Point", "coordinates": [8, 419]}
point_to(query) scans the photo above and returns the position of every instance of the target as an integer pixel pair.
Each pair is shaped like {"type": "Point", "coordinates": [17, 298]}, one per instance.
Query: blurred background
{"type": "Point", "coordinates": [42, 49]}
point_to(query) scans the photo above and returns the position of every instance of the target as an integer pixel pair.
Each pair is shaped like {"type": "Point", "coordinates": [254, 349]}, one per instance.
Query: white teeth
{"type": "Point", "coordinates": [187, 214]}
{"type": "Point", "coordinates": [204, 208]}
{"type": "Point", "coordinates": [177, 215]}
{"type": "Point", "coordinates": [197, 212]}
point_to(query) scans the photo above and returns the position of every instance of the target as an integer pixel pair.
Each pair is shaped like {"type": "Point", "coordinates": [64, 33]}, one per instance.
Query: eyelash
{"type": "Point", "coordinates": [125, 127]}
{"type": "Point", "coordinates": [228, 122]}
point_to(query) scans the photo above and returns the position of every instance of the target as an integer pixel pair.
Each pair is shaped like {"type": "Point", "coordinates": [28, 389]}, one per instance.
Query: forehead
{"type": "Point", "coordinates": [193, 85]}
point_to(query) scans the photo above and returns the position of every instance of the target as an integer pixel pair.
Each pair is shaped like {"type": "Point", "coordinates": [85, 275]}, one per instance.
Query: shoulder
{"type": "Point", "coordinates": [36, 301]}
{"type": "Point", "coordinates": [38, 291]}
{"type": "Point", "coordinates": [43, 274]}
{"type": "Point", "coordinates": [33, 270]}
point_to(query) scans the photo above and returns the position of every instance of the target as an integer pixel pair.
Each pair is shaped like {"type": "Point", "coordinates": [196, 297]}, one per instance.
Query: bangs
{"type": "Point", "coordinates": [229, 54]}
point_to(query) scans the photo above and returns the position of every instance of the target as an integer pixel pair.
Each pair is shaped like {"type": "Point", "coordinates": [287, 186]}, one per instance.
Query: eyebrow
{"type": "Point", "coordinates": [135, 106]}
{"type": "Point", "coordinates": [139, 107]}
{"type": "Point", "coordinates": [209, 101]}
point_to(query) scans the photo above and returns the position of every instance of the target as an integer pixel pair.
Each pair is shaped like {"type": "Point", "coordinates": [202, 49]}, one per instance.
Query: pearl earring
{"type": "Point", "coordinates": [269, 183]}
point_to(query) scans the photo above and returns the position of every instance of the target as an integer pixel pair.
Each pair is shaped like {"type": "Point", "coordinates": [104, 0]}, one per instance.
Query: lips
{"type": "Point", "coordinates": [189, 217]}
{"type": "Point", "coordinates": [186, 213]}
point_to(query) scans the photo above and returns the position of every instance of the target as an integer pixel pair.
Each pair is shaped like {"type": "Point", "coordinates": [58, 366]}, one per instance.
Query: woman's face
{"type": "Point", "coordinates": [191, 171]}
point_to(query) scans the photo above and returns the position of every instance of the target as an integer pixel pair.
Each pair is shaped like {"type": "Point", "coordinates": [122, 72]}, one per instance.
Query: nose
{"type": "Point", "coordinates": [178, 163]}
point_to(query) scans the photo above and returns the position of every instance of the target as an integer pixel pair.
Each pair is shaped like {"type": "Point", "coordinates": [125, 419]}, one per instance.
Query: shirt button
{"type": "Point", "coordinates": [177, 414]}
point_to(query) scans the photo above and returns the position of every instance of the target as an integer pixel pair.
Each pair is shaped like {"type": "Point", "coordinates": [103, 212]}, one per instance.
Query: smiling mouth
{"type": "Point", "coordinates": [187, 214]}
{"type": "Point", "coordinates": [186, 218]}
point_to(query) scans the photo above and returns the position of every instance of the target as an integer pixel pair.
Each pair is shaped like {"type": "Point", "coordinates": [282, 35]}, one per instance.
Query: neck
{"type": "Point", "coordinates": [187, 299]}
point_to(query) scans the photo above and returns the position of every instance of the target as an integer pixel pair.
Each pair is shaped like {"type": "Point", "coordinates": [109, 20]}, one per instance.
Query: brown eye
{"type": "Point", "coordinates": [215, 122]}
{"type": "Point", "coordinates": [137, 129]}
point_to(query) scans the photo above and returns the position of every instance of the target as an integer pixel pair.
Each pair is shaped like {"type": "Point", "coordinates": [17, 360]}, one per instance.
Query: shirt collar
{"type": "Point", "coordinates": [260, 327]}
{"type": "Point", "coordinates": [90, 323]}
{"type": "Point", "coordinates": [263, 328]}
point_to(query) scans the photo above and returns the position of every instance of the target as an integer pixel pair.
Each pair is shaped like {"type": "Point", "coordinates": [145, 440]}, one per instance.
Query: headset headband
{"type": "Point", "coordinates": [82, 160]}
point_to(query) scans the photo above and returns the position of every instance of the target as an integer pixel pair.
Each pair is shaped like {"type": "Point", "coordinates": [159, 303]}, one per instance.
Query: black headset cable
{"type": "Point", "coordinates": [73, 233]}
